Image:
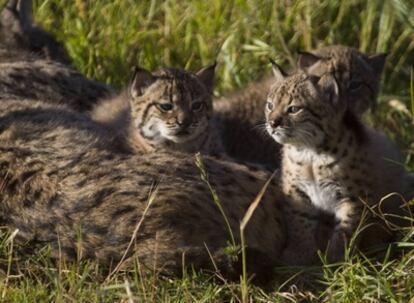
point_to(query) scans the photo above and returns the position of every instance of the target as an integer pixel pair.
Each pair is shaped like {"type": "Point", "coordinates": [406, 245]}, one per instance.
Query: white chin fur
{"type": "Point", "coordinates": [182, 139]}
{"type": "Point", "coordinates": [278, 135]}
{"type": "Point", "coordinates": [280, 138]}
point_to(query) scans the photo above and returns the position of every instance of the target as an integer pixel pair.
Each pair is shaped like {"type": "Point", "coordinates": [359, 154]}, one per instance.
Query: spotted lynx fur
{"type": "Point", "coordinates": [168, 109]}
{"type": "Point", "coordinates": [330, 158]}
{"type": "Point", "coordinates": [63, 182]}
{"type": "Point", "coordinates": [242, 114]}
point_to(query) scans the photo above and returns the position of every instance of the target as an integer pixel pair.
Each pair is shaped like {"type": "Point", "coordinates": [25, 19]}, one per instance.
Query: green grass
{"type": "Point", "coordinates": [107, 38]}
{"type": "Point", "coordinates": [35, 278]}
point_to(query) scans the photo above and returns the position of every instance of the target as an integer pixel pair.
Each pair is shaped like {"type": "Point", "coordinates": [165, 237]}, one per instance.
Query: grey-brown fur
{"type": "Point", "coordinates": [50, 82]}
{"type": "Point", "coordinates": [60, 182]}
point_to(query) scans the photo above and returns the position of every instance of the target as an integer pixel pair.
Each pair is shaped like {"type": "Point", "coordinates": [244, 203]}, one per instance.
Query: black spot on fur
{"type": "Point", "coordinates": [123, 210]}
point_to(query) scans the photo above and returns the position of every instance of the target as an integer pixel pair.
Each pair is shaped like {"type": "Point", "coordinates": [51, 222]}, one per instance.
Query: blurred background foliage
{"type": "Point", "coordinates": [106, 38]}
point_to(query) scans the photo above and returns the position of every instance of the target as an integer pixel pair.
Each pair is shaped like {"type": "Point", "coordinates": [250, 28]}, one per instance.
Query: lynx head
{"type": "Point", "coordinates": [172, 105]}
{"type": "Point", "coordinates": [302, 109]}
{"type": "Point", "coordinates": [358, 74]}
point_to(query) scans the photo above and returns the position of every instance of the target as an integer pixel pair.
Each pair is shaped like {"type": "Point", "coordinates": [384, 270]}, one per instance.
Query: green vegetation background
{"type": "Point", "coordinates": [107, 38]}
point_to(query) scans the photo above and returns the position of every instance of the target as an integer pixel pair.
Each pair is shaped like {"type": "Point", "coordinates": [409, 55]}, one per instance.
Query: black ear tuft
{"type": "Point", "coordinates": [12, 5]}
{"type": "Point", "coordinates": [10, 18]}
{"type": "Point", "coordinates": [25, 10]}
{"type": "Point", "coordinates": [278, 72]}
{"type": "Point", "coordinates": [141, 79]}
{"type": "Point", "coordinates": [17, 13]}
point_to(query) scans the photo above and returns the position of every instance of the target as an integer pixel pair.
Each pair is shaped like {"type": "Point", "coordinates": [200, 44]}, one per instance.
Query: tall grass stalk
{"type": "Point", "coordinates": [151, 199]}
{"type": "Point", "coordinates": [243, 224]}
{"type": "Point", "coordinates": [412, 92]}
{"type": "Point", "coordinates": [205, 177]}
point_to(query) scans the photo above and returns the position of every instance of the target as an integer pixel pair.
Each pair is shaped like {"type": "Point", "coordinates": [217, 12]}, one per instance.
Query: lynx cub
{"type": "Point", "coordinates": [240, 112]}
{"type": "Point", "coordinates": [167, 109]}
{"type": "Point", "coordinates": [358, 75]}
{"type": "Point", "coordinates": [329, 157]}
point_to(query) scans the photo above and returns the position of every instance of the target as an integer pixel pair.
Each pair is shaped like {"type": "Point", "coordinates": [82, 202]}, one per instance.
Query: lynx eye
{"type": "Point", "coordinates": [293, 109]}
{"type": "Point", "coordinates": [354, 85]}
{"type": "Point", "coordinates": [165, 107]}
{"type": "Point", "coordinates": [197, 106]}
{"type": "Point", "coordinates": [269, 106]}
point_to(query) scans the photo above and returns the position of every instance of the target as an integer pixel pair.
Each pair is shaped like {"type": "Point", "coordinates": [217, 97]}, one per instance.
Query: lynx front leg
{"type": "Point", "coordinates": [349, 214]}
{"type": "Point", "coordinates": [308, 233]}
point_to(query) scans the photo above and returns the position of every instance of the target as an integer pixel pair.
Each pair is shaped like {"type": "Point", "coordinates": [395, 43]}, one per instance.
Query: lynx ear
{"type": "Point", "coordinates": [306, 60]}
{"type": "Point", "coordinates": [329, 87]}
{"type": "Point", "coordinates": [16, 14]}
{"type": "Point", "coordinates": [9, 17]}
{"type": "Point", "coordinates": [278, 72]}
{"type": "Point", "coordinates": [25, 11]}
{"type": "Point", "coordinates": [140, 80]}
{"type": "Point", "coordinates": [206, 76]}
{"type": "Point", "coordinates": [377, 62]}
{"type": "Point", "coordinates": [12, 5]}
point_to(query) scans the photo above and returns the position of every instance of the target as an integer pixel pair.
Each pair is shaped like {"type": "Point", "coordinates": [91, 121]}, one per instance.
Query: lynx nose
{"type": "Point", "coordinates": [276, 122]}
{"type": "Point", "coordinates": [183, 121]}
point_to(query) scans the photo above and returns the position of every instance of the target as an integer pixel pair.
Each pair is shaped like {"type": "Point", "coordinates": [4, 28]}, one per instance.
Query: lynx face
{"type": "Point", "coordinates": [358, 74]}
{"type": "Point", "coordinates": [296, 105]}
{"type": "Point", "coordinates": [172, 105]}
